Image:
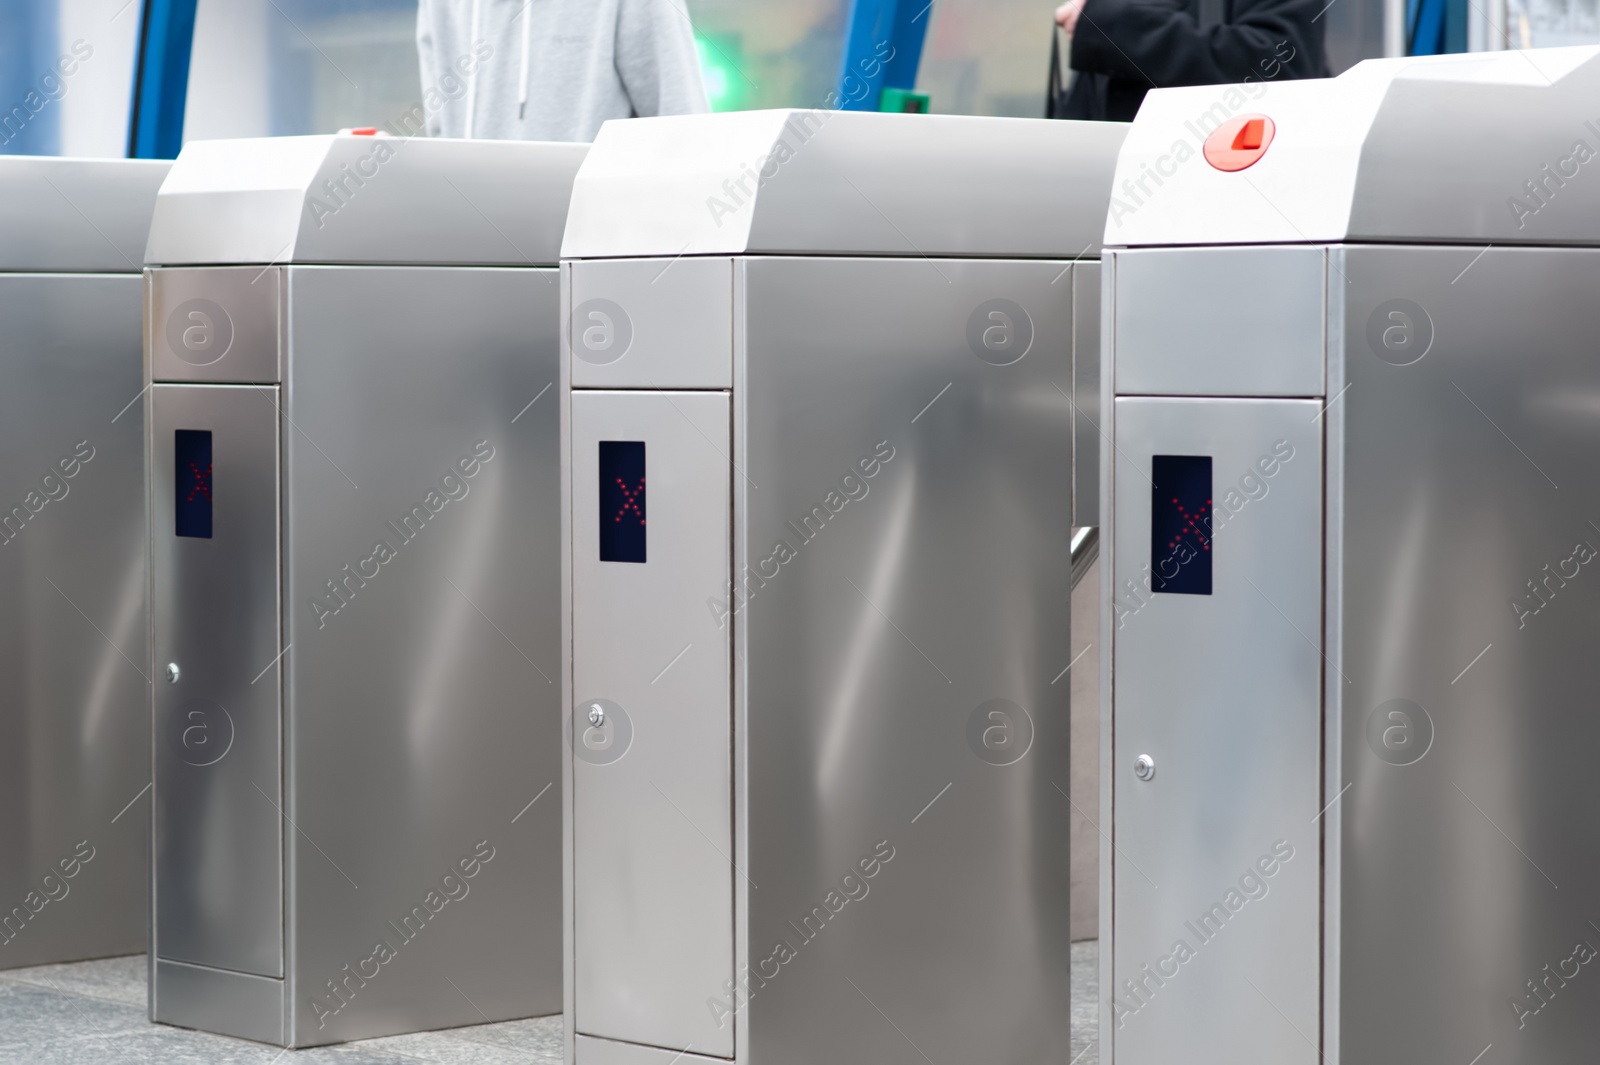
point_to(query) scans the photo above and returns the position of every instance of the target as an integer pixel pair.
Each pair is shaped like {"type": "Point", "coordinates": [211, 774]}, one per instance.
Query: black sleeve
{"type": "Point", "coordinates": [1158, 43]}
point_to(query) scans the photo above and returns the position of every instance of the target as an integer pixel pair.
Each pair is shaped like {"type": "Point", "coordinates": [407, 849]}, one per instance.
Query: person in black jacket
{"type": "Point", "coordinates": [1123, 48]}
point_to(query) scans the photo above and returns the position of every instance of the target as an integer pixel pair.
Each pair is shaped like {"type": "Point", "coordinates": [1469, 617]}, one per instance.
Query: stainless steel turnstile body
{"type": "Point", "coordinates": [1349, 618]}
{"type": "Point", "coordinates": [354, 511]}
{"type": "Point", "coordinates": [76, 751]}
{"type": "Point", "coordinates": [819, 502]}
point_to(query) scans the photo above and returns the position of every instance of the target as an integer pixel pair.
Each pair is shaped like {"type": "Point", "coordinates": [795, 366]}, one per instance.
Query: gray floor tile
{"type": "Point", "coordinates": [540, 1036]}
{"type": "Point", "coordinates": [114, 979]}
{"type": "Point", "coordinates": [89, 1013]}
{"type": "Point", "coordinates": [345, 1054]}
{"type": "Point", "coordinates": [159, 1044]}
{"type": "Point", "coordinates": [448, 1048]}
{"type": "Point", "coordinates": [366, 1052]}
{"type": "Point", "coordinates": [1085, 1003]}
{"type": "Point", "coordinates": [35, 1018]}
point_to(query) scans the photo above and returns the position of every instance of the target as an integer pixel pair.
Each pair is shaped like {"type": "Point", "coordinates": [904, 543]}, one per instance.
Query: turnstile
{"type": "Point", "coordinates": [819, 426]}
{"type": "Point", "coordinates": [75, 757]}
{"type": "Point", "coordinates": [355, 595]}
{"type": "Point", "coordinates": [1350, 617]}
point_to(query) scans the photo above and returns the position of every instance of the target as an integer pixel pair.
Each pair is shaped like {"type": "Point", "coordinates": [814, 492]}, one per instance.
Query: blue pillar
{"type": "Point", "coordinates": [882, 50]}
{"type": "Point", "coordinates": [1436, 27]}
{"type": "Point", "coordinates": [161, 79]}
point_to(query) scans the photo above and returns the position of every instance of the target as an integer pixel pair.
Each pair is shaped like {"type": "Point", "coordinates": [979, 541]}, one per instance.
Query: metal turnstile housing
{"type": "Point", "coordinates": [1350, 818]}
{"type": "Point", "coordinates": [819, 507]}
{"type": "Point", "coordinates": [75, 760]}
{"type": "Point", "coordinates": [354, 507]}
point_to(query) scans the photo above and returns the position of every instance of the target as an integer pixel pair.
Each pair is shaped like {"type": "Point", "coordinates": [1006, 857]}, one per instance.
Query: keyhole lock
{"type": "Point", "coordinates": [597, 715]}
{"type": "Point", "coordinates": [172, 672]}
{"type": "Point", "coordinates": [1144, 767]}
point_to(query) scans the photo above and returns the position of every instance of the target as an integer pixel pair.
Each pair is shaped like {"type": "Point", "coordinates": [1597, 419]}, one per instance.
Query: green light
{"type": "Point", "coordinates": [903, 101]}
{"type": "Point", "coordinates": [720, 55]}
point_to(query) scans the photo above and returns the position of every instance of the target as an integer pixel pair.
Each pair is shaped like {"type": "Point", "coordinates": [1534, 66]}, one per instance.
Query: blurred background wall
{"type": "Point", "coordinates": [84, 112]}
{"type": "Point", "coordinates": [265, 67]}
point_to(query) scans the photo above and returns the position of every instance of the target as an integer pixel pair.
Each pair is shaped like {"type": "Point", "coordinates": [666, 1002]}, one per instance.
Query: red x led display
{"type": "Point", "coordinates": [192, 479]}
{"type": "Point", "coordinates": [622, 501]}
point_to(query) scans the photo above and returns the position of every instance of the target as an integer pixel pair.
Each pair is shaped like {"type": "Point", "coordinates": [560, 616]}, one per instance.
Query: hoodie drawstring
{"type": "Point", "coordinates": [527, 39]}
{"type": "Point", "coordinates": [472, 79]}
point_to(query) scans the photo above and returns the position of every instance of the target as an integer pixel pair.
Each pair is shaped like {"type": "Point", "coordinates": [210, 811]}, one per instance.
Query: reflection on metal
{"type": "Point", "coordinates": [361, 595]}
{"type": "Point", "coordinates": [74, 682]}
{"type": "Point", "coordinates": [1085, 550]}
{"type": "Point", "coordinates": [1375, 733]}
{"type": "Point", "coordinates": [859, 461]}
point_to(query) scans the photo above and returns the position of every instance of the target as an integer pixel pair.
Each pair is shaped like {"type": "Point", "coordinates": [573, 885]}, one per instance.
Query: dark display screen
{"type": "Point", "coordinates": [1180, 524]}
{"type": "Point", "coordinates": [622, 503]}
{"type": "Point", "coordinates": [192, 477]}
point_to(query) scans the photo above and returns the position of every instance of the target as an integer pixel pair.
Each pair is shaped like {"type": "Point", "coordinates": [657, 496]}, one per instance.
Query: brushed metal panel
{"type": "Point", "coordinates": [216, 1000]}
{"type": "Point", "coordinates": [318, 199]}
{"type": "Point", "coordinates": [1220, 321]}
{"type": "Point", "coordinates": [214, 613]}
{"type": "Point", "coordinates": [217, 324]}
{"type": "Point", "coordinates": [1223, 691]}
{"type": "Point", "coordinates": [1333, 544]}
{"type": "Point", "coordinates": [1390, 152]}
{"type": "Point", "coordinates": [653, 908]}
{"type": "Point", "coordinates": [592, 1051]}
{"type": "Point", "coordinates": [1088, 420]}
{"type": "Point", "coordinates": [1467, 475]}
{"type": "Point", "coordinates": [422, 714]}
{"type": "Point", "coordinates": [1423, 176]}
{"type": "Point", "coordinates": [835, 182]}
{"type": "Point", "coordinates": [934, 586]}
{"type": "Point", "coordinates": [1107, 565]}
{"type": "Point", "coordinates": [89, 215]}
{"type": "Point", "coordinates": [568, 951]}
{"type": "Point", "coordinates": [73, 658]}
{"type": "Point", "coordinates": [878, 184]}
{"type": "Point", "coordinates": [661, 323]}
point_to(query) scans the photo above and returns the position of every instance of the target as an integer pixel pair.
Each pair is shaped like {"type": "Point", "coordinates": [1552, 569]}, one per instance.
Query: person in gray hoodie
{"type": "Point", "coordinates": [554, 70]}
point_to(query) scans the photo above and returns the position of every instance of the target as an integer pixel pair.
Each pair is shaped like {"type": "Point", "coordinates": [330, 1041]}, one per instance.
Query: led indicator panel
{"type": "Point", "coordinates": [622, 501]}
{"type": "Point", "coordinates": [1180, 524]}
{"type": "Point", "coordinates": [192, 476]}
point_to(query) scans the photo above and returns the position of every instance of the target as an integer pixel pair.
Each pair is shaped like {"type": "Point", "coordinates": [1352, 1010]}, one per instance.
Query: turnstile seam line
{"type": "Point", "coordinates": [1216, 395]}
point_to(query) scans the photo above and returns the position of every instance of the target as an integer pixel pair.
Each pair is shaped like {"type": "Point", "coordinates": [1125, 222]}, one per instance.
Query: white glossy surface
{"type": "Point", "coordinates": [75, 215]}
{"type": "Point", "coordinates": [842, 183]}
{"type": "Point", "coordinates": [1394, 149]}
{"type": "Point", "coordinates": [347, 199]}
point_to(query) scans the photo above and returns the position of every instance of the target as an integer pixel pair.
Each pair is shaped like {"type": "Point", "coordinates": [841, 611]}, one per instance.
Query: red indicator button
{"type": "Point", "coordinates": [1239, 142]}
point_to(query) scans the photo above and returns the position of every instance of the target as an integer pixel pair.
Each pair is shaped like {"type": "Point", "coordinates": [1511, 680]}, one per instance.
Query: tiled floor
{"type": "Point", "coordinates": [1085, 1003]}
{"type": "Point", "coordinates": [91, 1012]}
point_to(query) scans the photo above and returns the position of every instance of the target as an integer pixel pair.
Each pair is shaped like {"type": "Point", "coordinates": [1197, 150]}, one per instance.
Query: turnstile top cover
{"type": "Point", "coordinates": [365, 200]}
{"type": "Point", "coordinates": [796, 182]}
{"type": "Point", "coordinates": [1497, 147]}
{"type": "Point", "coordinates": [76, 215]}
